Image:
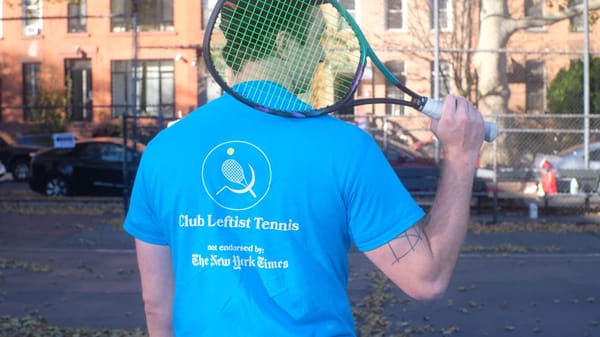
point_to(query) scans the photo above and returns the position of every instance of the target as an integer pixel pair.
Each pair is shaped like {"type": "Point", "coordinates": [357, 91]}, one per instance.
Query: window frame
{"type": "Point", "coordinates": [166, 105]}
{"type": "Point", "coordinates": [403, 14]}
{"type": "Point", "coordinates": [353, 11]}
{"type": "Point", "coordinates": [532, 67]}
{"type": "Point", "coordinates": [445, 15]}
{"type": "Point", "coordinates": [398, 69]}
{"type": "Point", "coordinates": [83, 110]}
{"type": "Point", "coordinates": [576, 23]}
{"type": "Point", "coordinates": [32, 24]}
{"type": "Point", "coordinates": [534, 10]}
{"type": "Point", "coordinates": [31, 76]}
{"type": "Point", "coordinates": [121, 16]}
{"type": "Point", "coordinates": [77, 23]}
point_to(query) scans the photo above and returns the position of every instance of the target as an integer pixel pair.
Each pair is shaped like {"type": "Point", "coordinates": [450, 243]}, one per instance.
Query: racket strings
{"type": "Point", "coordinates": [249, 33]}
{"type": "Point", "coordinates": [232, 170]}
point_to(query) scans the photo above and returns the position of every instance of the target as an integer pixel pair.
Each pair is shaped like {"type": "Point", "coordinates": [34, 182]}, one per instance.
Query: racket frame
{"type": "Point", "coordinates": [428, 106]}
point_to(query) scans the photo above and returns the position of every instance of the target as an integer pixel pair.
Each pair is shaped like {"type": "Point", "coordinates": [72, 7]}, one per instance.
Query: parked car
{"type": "Point", "coordinates": [15, 157]}
{"type": "Point", "coordinates": [572, 158]}
{"type": "Point", "coordinates": [91, 167]}
{"type": "Point", "coordinates": [420, 172]}
{"type": "Point", "coordinates": [403, 156]}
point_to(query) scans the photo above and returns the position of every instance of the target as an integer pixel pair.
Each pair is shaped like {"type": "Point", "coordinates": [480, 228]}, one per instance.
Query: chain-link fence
{"type": "Point", "coordinates": [549, 160]}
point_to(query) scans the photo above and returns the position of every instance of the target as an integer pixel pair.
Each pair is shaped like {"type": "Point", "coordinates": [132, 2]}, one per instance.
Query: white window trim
{"type": "Point", "coordinates": [356, 16]}
{"type": "Point", "coordinates": [404, 27]}
{"type": "Point", "coordinates": [449, 19]}
{"type": "Point", "coordinates": [35, 28]}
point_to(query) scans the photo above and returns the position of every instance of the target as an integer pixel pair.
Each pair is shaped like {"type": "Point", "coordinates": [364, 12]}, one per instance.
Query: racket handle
{"type": "Point", "coordinates": [433, 108]}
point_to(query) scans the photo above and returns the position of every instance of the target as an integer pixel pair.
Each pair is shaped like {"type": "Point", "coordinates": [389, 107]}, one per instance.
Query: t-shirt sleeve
{"type": "Point", "coordinates": [379, 207]}
{"type": "Point", "coordinates": [141, 221]}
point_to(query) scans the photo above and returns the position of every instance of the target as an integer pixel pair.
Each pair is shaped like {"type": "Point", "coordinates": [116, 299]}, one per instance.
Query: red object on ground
{"type": "Point", "coordinates": [548, 178]}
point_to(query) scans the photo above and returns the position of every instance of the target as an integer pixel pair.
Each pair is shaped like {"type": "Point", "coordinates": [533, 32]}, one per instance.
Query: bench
{"type": "Point", "coordinates": [419, 180]}
{"type": "Point", "coordinates": [423, 182]}
{"type": "Point", "coordinates": [588, 181]}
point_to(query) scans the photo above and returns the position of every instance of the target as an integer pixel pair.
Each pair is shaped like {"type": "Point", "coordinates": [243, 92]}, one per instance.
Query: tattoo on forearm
{"type": "Point", "coordinates": [412, 237]}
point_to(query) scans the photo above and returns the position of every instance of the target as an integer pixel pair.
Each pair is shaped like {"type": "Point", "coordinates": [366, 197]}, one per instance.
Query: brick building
{"type": "Point", "coordinates": [85, 51]}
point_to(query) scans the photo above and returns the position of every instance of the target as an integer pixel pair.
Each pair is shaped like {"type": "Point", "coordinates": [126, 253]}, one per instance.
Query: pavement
{"type": "Point", "coordinates": [70, 262]}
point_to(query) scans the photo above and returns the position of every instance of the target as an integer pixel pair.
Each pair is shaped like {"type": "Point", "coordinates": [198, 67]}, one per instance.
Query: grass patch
{"type": "Point", "coordinates": [533, 227]}
{"type": "Point", "coordinates": [34, 325]}
{"type": "Point", "coordinates": [25, 265]}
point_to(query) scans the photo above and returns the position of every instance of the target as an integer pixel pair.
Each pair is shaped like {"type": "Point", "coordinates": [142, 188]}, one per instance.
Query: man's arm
{"type": "Point", "coordinates": [422, 259]}
{"type": "Point", "coordinates": [156, 272]}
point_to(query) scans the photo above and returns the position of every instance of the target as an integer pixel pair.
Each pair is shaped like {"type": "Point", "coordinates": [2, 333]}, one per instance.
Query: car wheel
{"type": "Point", "coordinates": [56, 187]}
{"type": "Point", "coordinates": [20, 171]}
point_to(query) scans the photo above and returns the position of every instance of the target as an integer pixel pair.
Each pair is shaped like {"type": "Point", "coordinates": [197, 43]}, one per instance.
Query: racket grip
{"type": "Point", "coordinates": [433, 108]}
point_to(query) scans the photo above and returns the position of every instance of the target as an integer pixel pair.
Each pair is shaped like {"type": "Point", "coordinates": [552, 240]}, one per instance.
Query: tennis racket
{"type": "Point", "coordinates": [299, 58]}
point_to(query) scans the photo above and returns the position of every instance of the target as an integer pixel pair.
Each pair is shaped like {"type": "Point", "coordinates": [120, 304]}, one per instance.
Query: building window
{"type": "Point", "coordinates": [576, 22]}
{"type": "Point", "coordinates": [154, 90]}
{"type": "Point", "coordinates": [445, 75]}
{"type": "Point", "coordinates": [153, 15]}
{"type": "Point", "coordinates": [396, 14]}
{"type": "Point", "coordinates": [350, 6]}
{"type": "Point", "coordinates": [207, 8]}
{"type": "Point", "coordinates": [534, 9]}
{"type": "Point", "coordinates": [31, 88]}
{"type": "Point", "coordinates": [78, 74]}
{"type": "Point", "coordinates": [534, 86]}
{"type": "Point", "coordinates": [445, 14]}
{"type": "Point", "coordinates": [392, 91]}
{"type": "Point", "coordinates": [32, 17]}
{"type": "Point", "coordinates": [77, 10]}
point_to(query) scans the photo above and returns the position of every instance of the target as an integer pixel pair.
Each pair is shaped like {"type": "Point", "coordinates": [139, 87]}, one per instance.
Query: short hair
{"type": "Point", "coordinates": [251, 27]}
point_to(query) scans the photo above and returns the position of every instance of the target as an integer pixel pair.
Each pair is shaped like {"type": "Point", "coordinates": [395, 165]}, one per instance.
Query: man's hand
{"type": "Point", "coordinates": [460, 129]}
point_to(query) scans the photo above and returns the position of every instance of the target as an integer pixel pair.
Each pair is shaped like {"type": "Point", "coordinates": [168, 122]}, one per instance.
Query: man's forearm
{"type": "Point", "coordinates": [447, 222]}
{"type": "Point", "coordinates": [156, 273]}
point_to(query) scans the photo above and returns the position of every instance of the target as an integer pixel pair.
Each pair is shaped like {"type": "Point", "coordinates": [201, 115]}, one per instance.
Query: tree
{"type": "Point", "coordinates": [565, 92]}
{"type": "Point", "coordinates": [497, 26]}
{"type": "Point", "coordinates": [566, 89]}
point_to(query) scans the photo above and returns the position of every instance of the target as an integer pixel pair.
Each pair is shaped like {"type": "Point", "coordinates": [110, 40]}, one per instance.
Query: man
{"type": "Point", "coordinates": [243, 219]}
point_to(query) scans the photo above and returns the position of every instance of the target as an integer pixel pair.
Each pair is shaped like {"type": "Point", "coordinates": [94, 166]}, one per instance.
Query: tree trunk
{"type": "Point", "coordinates": [493, 92]}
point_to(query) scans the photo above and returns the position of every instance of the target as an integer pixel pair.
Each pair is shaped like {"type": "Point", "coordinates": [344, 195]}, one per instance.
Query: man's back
{"type": "Point", "coordinates": [259, 212]}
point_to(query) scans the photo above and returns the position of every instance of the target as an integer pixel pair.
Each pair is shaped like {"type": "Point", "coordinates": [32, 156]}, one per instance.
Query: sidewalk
{"type": "Point", "coordinates": [79, 271]}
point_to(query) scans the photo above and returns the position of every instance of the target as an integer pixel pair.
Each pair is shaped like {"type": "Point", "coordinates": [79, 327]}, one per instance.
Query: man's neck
{"type": "Point", "coordinates": [268, 69]}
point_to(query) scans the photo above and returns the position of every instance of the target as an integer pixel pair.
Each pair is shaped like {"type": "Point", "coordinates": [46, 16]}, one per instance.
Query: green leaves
{"type": "Point", "coordinates": [34, 325]}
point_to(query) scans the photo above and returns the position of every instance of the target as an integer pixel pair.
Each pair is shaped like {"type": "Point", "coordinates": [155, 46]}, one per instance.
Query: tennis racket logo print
{"type": "Point", "coordinates": [236, 175]}
{"type": "Point", "coordinates": [233, 171]}
{"type": "Point", "coordinates": [291, 39]}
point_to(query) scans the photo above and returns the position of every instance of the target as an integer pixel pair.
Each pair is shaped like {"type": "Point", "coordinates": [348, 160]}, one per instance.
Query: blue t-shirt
{"type": "Point", "coordinates": [259, 212]}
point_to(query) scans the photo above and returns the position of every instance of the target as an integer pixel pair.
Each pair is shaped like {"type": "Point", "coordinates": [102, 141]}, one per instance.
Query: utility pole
{"type": "Point", "coordinates": [586, 84]}
{"type": "Point", "coordinates": [132, 106]}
